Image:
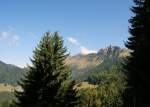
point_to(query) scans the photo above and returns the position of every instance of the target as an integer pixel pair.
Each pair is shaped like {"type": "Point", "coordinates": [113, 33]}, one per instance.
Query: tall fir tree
{"type": "Point", "coordinates": [71, 97]}
{"type": "Point", "coordinates": [44, 80]}
{"type": "Point", "coordinates": [138, 66]}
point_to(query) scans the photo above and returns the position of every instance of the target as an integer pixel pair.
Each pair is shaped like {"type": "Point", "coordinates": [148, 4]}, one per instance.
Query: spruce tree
{"type": "Point", "coordinates": [138, 66]}
{"type": "Point", "coordinates": [41, 85]}
{"type": "Point", "coordinates": [71, 97]}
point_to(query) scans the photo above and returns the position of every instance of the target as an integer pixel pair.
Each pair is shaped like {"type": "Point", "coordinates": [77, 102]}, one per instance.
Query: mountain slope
{"type": "Point", "coordinates": [80, 64]}
{"type": "Point", "coordinates": [103, 60]}
{"type": "Point", "coordinates": [10, 74]}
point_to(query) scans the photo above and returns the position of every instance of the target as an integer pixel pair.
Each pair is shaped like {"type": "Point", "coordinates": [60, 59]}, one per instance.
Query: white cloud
{"type": "Point", "coordinates": [9, 38]}
{"type": "Point", "coordinates": [73, 41]}
{"type": "Point", "coordinates": [3, 35]}
{"type": "Point", "coordinates": [83, 49]}
{"type": "Point", "coordinates": [86, 51]}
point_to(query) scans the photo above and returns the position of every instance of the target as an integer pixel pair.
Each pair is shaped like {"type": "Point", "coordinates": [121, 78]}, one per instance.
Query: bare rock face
{"type": "Point", "coordinates": [106, 56]}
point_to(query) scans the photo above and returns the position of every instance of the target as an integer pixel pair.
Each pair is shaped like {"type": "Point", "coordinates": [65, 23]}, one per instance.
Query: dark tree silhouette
{"type": "Point", "coordinates": [138, 66]}
{"type": "Point", "coordinates": [71, 98]}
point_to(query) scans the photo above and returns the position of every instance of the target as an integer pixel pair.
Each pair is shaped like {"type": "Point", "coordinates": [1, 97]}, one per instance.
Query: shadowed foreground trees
{"type": "Point", "coordinates": [46, 76]}
{"type": "Point", "coordinates": [138, 66]}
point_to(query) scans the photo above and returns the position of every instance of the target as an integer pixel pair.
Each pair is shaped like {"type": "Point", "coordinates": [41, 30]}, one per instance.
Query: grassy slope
{"type": "Point", "coordinates": [7, 92]}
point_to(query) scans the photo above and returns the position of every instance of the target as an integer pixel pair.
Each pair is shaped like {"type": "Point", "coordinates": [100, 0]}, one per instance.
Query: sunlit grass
{"type": "Point", "coordinates": [8, 88]}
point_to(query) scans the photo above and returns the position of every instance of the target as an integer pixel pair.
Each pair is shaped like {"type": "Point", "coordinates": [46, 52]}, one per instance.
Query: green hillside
{"type": "Point", "coordinates": [10, 74]}
{"type": "Point", "coordinates": [7, 93]}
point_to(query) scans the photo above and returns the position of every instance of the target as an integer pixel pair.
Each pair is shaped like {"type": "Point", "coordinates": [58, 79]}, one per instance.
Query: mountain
{"type": "Point", "coordinates": [80, 64]}
{"type": "Point", "coordinates": [103, 60]}
{"type": "Point", "coordinates": [10, 74]}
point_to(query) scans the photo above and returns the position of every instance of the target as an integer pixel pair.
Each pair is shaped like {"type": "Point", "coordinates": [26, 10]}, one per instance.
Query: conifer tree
{"type": "Point", "coordinates": [71, 97]}
{"type": "Point", "coordinates": [46, 75]}
{"type": "Point", "coordinates": [138, 66]}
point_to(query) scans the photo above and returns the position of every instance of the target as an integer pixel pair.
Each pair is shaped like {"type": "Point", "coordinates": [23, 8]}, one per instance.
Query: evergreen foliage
{"type": "Point", "coordinates": [71, 97]}
{"type": "Point", "coordinates": [110, 86]}
{"type": "Point", "coordinates": [44, 80]}
{"type": "Point", "coordinates": [137, 67]}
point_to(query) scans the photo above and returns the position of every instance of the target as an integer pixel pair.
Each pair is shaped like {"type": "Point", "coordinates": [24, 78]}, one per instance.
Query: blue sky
{"type": "Point", "coordinates": [85, 25]}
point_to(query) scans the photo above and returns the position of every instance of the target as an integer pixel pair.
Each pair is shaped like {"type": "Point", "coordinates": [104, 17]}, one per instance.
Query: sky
{"type": "Point", "coordinates": [85, 25]}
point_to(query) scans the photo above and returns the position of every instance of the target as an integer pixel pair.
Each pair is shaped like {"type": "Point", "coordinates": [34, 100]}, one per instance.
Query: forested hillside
{"type": "Point", "coordinates": [10, 74]}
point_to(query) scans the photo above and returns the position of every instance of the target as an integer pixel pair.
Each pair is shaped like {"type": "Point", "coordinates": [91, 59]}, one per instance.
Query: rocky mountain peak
{"type": "Point", "coordinates": [109, 51]}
